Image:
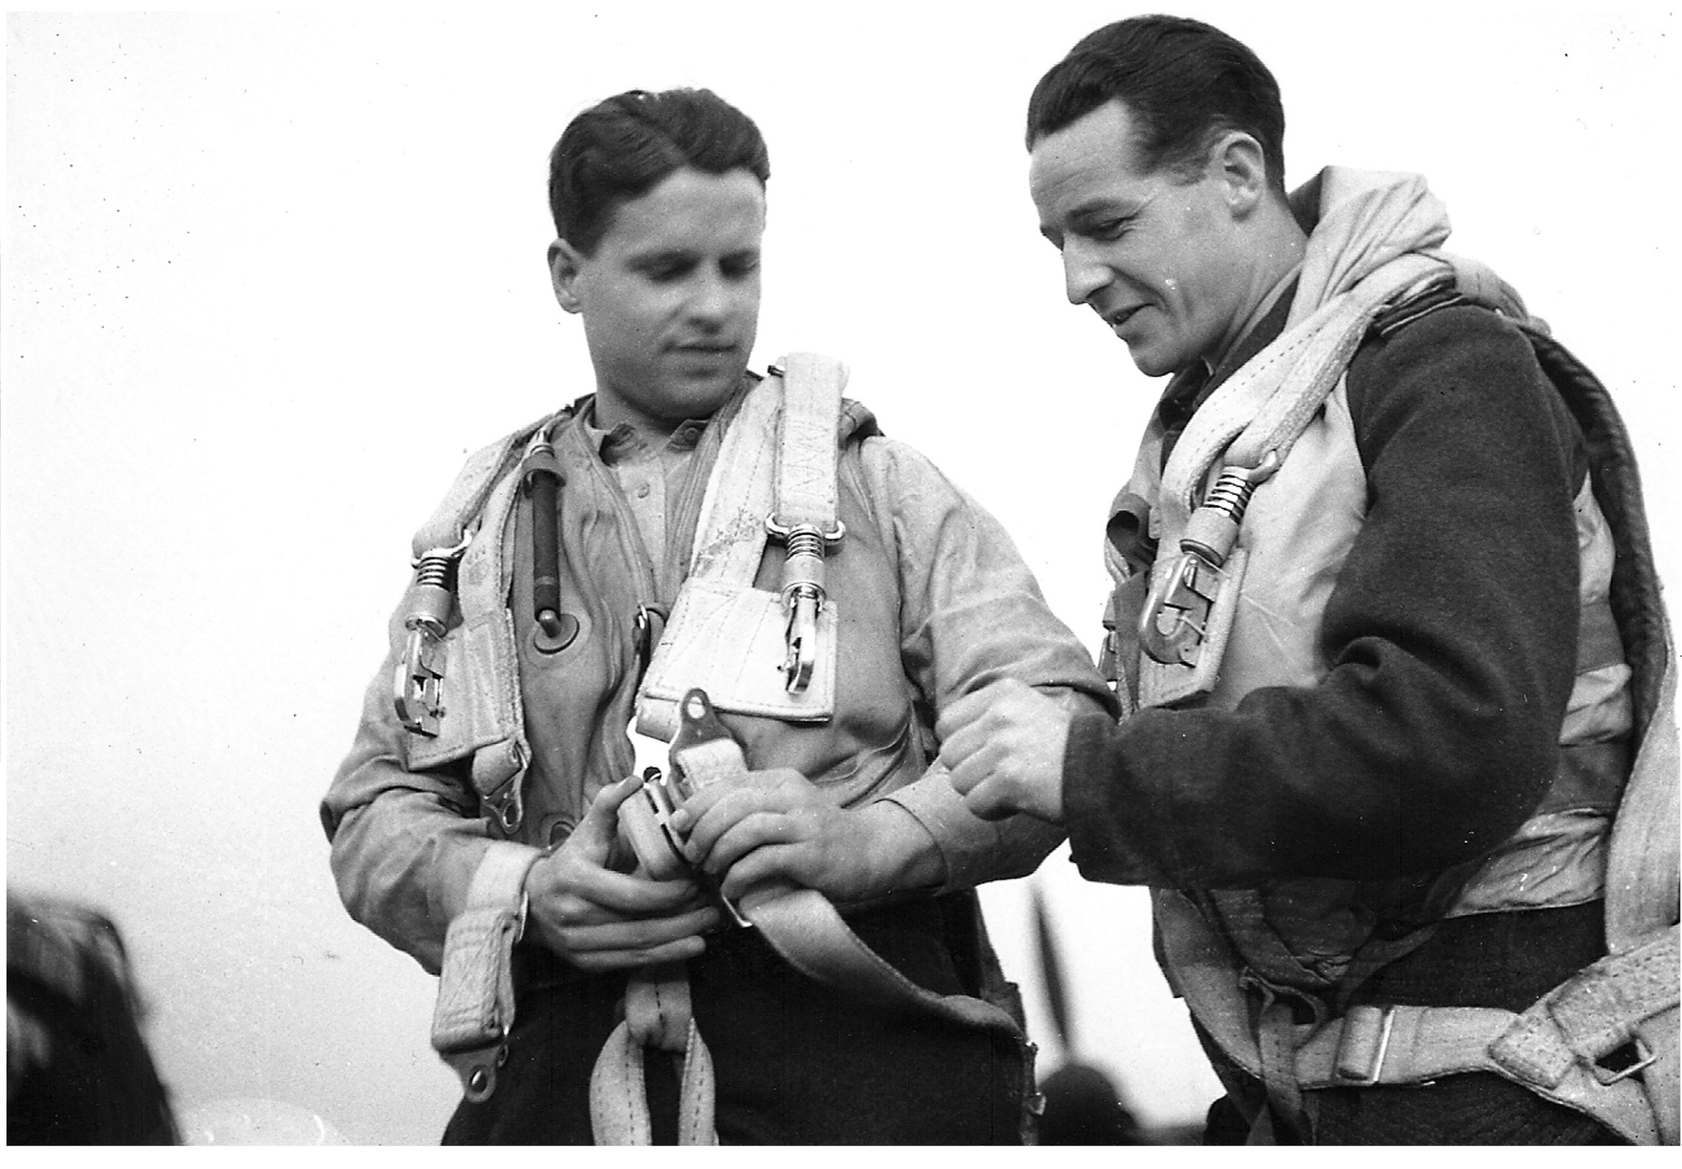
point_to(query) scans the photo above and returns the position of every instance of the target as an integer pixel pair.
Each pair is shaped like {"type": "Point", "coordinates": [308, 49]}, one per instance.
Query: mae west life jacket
{"type": "Point", "coordinates": [758, 634]}
{"type": "Point", "coordinates": [1313, 940]}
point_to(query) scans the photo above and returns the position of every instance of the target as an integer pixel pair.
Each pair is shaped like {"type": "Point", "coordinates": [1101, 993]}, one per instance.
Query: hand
{"type": "Point", "coordinates": [599, 919]}
{"type": "Point", "coordinates": [1004, 746]}
{"type": "Point", "coordinates": [775, 828]}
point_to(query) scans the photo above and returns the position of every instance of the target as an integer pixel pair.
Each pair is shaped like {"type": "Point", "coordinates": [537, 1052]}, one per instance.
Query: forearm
{"type": "Point", "coordinates": [958, 849]}
{"type": "Point", "coordinates": [972, 614]}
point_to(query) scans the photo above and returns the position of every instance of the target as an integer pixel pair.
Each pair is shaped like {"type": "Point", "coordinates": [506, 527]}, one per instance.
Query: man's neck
{"type": "Point", "coordinates": [1276, 245]}
{"type": "Point", "coordinates": [1287, 280]}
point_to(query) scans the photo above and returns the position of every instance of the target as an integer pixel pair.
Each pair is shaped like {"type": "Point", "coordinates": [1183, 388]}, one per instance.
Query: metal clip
{"type": "Point", "coordinates": [803, 593]}
{"type": "Point", "coordinates": [1176, 614]}
{"type": "Point", "coordinates": [417, 689]}
{"type": "Point", "coordinates": [1175, 619]}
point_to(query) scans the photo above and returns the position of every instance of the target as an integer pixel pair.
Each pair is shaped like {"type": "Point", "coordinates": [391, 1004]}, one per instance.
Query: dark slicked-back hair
{"type": "Point", "coordinates": [621, 148]}
{"type": "Point", "coordinates": [1183, 82]}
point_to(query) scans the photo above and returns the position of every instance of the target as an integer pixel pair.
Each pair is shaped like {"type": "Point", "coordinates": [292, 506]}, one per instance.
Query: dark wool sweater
{"type": "Point", "coordinates": [1451, 636]}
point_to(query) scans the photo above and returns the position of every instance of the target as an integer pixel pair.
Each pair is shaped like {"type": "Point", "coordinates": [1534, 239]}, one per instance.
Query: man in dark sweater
{"type": "Point", "coordinates": [1381, 710]}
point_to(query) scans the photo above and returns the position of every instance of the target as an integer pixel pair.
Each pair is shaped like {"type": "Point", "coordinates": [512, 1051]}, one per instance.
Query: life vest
{"type": "Point", "coordinates": [1305, 940]}
{"type": "Point", "coordinates": [783, 557]}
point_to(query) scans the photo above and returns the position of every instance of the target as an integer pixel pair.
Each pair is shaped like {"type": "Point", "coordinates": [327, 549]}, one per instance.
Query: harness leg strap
{"type": "Point", "coordinates": [658, 1016]}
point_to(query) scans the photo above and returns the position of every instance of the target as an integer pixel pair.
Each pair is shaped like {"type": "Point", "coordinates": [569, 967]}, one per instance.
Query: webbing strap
{"type": "Point", "coordinates": [1641, 871]}
{"type": "Point", "coordinates": [1266, 405]}
{"type": "Point", "coordinates": [475, 1006]}
{"type": "Point", "coordinates": [657, 1015]}
{"type": "Point", "coordinates": [1553, 1048]}
{"type": "Point", "coordinates": [467, 494]}
{"type": "Point", "coordinates": [777, 459]}
{"type": "Point", "coordinates": [807, 931]}
{"type": "Point", "coordinates": [806, 490]}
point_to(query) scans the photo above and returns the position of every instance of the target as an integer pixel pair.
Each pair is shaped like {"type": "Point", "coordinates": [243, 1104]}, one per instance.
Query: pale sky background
{"type": "Point", "coordinates": [268, 277]}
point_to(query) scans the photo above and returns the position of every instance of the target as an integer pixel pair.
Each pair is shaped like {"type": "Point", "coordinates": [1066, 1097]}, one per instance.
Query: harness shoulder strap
{"type": "Point", "coordinates": [775, 477]}
{"type": "Point", "coordinates": [453, 518]}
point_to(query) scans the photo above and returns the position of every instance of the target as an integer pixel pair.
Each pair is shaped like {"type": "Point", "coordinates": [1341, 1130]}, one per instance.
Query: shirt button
{"type": "Point", "coordinates": [642, 491]}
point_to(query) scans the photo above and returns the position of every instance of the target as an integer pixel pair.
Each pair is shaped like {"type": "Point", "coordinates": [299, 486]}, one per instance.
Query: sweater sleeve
{"type": "Point", "coordinates": [971, 613]}
{"type": "Point", "coordinates": [1450, 639]}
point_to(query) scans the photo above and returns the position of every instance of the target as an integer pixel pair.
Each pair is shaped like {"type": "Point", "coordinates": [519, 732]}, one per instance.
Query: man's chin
{"type": "Point", "coordinates": [1148, 363]}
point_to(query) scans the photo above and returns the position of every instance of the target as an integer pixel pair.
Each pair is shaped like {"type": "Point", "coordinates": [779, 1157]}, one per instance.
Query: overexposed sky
{"type": "Point", "coordinates": [269, 276]}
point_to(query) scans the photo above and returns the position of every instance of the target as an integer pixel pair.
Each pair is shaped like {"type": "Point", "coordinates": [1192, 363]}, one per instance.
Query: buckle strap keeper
{"type": "Point", "coordinates": [475, 1008]}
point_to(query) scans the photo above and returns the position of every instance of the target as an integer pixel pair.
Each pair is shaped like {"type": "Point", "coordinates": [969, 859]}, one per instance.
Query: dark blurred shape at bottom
{"type": "Point", "coordinates": [78, 1071]}
{"type": "Point", "coordinates": [1082, 1107]}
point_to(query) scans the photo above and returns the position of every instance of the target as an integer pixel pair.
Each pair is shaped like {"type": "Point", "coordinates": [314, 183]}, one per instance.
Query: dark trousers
{"type": "Point", "coordinates": [797, 1063]}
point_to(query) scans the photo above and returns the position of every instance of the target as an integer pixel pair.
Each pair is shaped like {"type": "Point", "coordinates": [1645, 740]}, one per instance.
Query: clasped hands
{"type": "Point", "coordinates": [1003, 746]}
{"type": "Point", "coordinates": [772, 829]}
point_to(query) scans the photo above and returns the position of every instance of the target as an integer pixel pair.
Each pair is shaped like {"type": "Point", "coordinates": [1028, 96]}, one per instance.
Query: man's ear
{"type": "Point", "coordinates": [1241, 164]}
{"type": "Point", "coordinates": [565, 263]}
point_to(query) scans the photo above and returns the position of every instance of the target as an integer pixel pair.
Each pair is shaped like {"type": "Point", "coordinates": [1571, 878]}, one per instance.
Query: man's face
{"type": "Point", "coordinates": [670, 297]}
{"type": "Point", "coordinates": [1156, 257]}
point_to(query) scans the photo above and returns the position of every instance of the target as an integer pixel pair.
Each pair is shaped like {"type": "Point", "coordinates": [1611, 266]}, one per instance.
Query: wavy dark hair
{"type": "Point", "coordinates": [1183, 82]}
{"type": "Point", "coordinates": [621, 148]}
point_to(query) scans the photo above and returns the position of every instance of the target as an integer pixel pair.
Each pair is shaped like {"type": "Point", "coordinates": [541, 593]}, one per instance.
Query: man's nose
{"type": "Point", "coordinates": [1083, 274]}
{"type": "Point", "coordinates": [713, 298]}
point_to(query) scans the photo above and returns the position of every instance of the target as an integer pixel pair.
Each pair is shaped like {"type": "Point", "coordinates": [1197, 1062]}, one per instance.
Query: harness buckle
{"type": "Point", "coordinates": [1645, 1057]}
{"type": "Point", "coordinates": [1363, 1044]}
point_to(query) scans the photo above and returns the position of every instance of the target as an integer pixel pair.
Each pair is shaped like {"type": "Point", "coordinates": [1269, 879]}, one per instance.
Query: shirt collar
{"type": "Point", "coordinates": [624, 441]}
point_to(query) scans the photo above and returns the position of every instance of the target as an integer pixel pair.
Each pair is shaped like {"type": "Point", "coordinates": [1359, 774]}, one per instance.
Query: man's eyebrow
{"type": "Point", "coordinates": [656, 256]}
{"type": "Point", "coordinates": [1106, 206]}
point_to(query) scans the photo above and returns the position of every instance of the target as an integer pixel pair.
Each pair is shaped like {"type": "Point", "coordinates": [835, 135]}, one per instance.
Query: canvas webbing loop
{"type": "Point", "coordinates": [475, 1006]}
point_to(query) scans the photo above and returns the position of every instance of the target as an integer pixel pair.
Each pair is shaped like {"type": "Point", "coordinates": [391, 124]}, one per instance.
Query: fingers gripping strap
{"type": "Point", "coordinates": [805, 929]}
{"type": "Point", "coordinates": [475, 1006]}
